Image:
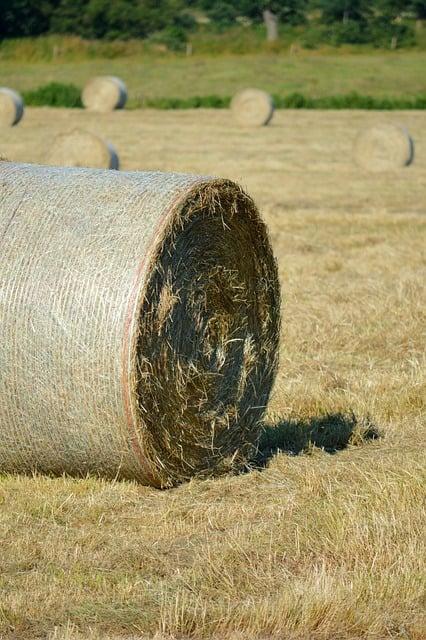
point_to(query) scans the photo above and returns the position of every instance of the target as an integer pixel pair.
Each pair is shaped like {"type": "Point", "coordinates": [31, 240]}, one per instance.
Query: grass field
{"type": "Point", "coordinates": [313, 74]}
{"type": "Point", "coordinates": [326, 544]}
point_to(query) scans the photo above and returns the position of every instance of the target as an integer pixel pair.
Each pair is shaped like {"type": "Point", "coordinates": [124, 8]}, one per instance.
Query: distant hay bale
{"type": "Point", "coordinates": [252, 107]}
{"type": "Point", "coordinates": [383, 147]}
{"type": "Point", "coordinates": [104, 93]}
{"type": "Point", "coordinates": [139, 323]}
{"type": "Point", "coordinates": [11, 107]}
{"type": "Point", "coordinates": [79, 148]}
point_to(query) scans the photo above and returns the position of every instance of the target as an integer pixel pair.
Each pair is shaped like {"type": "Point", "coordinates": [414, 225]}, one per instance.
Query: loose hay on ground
{"type": "Point", "coordinates": [11, 107]}
{"type": "Point", "coordinates": [79, 148]}
{"type": "Point", "coordinates": [252, 107]}
{"type": "Point", "coordinates": [104, 93]}
{"type": "Point", "coordinates": [140, 323]}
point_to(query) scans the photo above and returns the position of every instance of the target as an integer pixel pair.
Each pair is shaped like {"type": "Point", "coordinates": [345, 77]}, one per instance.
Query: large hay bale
{"type": "Point", "coordinates": [11, 107]}
{"type": "Point", "coordinates": [104, 93]}
{"type": "Point", "coordinates": [383, 147]}
{"type": "Point", "coordinates": [79, 148]}
{"type": "Point", "coordinates": [139, 323]}
{"type": "Point", "coordinates": [252, 107]}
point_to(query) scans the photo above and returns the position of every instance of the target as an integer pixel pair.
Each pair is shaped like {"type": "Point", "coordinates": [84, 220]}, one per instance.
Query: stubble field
{"type": "Point", "coordinates": [324, 537]}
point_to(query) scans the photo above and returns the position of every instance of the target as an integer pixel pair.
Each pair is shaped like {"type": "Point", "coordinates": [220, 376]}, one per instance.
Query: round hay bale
{"type": "Point", "coordinates": [79, 148]}
{"type": "Point", "coordinates": [139, 323]}
{"type": "Point", "coordinates": [104, 93]}
{"type": "Point", "coordinates": [383, 147]}
{"type": "Point", "coordinates": [11, 107]}
{"type": "Point", "coordinates": [252, 107]}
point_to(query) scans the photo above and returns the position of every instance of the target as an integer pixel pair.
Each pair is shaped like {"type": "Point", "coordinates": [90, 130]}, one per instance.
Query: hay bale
{"type": "Point", "coordinates": [11, 107]}
{"type": "Point", "coordinates": [383, 147]}
{"type": "Point", "coordinates": [139, 323]}
{"type": "Point", "coordinates": [252, 108]}
{"type": "Point", "coordinates": [104, 93]}
{"type": "Point", "coordinates": [79, 148]}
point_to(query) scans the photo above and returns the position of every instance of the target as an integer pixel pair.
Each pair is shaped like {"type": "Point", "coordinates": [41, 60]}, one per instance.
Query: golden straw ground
{"type": "Point", "coordinates": [317, 545]}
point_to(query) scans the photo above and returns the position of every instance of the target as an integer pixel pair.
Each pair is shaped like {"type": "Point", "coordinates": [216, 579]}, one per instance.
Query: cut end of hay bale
{"type": "Point", "coordinates": [384, 147]}
{"type": "Point", "coordinates": [80, 148]}
{"type": "Point", "coordinates": [11, 107]}
{"type": "Point", "coordinates": [104, 94]}
{"type": "Point", "coordinates": [252, 108]}
{"type": "Point", "coordinates": [140, 327]}
{"type": "Point", "coordinates": [209, 324]}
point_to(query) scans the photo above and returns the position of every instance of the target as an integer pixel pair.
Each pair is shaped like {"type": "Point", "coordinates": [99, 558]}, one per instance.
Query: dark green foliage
{"type": "Point", "coordinates": [54, 94]}
{"type": "Point", "coordinates": [344, 10]}
{"type": "Point", "coordinates": [196, 102]}
{"type": "Point", "coordinates": [296, 101]}
{"type": "Point", "coordinates": [25, 17]}
{"type": "Point", "coordinates": [349, 101]}
{"type": "Point", "coordinates": [173, 37]}
{"type": "Point", "coordinates": [418, 7]}
{"type": "Point", "coordinates": [383, 23]}
{"type": "Point", "coordinates": [383, 33]}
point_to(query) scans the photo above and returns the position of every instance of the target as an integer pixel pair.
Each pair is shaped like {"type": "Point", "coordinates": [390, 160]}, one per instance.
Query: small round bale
{"type": "Point", "coordinates": [252, 108]}
{"type": "Point", "coordinates": [80, 148]}
{"type": "Point", "coordinates": [139, 327]}
{"type": "Point", "coordinates": [383, 147]}
{"type": "Point", "coordinates": [11, 107]}
{"type": "Point", "coordinates": [104, 94]}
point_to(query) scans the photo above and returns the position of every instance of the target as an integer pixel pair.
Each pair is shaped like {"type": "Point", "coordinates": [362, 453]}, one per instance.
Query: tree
{"type": "Point", "coordinates": [418, 7]}
{"type": "Point", "coordinates": [344, 10]}
{"type": "Point", "coordinates": [25, 17]}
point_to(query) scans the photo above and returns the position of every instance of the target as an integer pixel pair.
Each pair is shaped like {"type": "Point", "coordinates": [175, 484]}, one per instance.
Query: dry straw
{"type": "Point", "coordinates": [383, 147]}
{"type": "Point", "coordinates": [79, 148]}
{"type": "Point", "coordinates": [139, 323]}
{"type": "Point", "coordinates": [252, 108]}
{"type": "Point", "coordinates": [104, 93]}
{"type": "Point", "coordinates": [11, 107]}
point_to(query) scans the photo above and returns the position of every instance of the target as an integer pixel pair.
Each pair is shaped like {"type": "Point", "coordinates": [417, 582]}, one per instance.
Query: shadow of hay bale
{"type": "Point", "coordinates": [331, 433]}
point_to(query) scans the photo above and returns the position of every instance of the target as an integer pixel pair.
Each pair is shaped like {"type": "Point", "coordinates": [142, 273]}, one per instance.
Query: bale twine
{"type": "Point", "coordinates": [104, 93]}
{"type": "Point", "coordinates": [252, 107]}
{"type": "Point", "coordinates": [139, 322]}
{"type": "Point", "coordinates": [383, 147]}
{"type": "Point", "coordinates": [11, 107]}
{"type": "Point", "coordinates": [79, 148]}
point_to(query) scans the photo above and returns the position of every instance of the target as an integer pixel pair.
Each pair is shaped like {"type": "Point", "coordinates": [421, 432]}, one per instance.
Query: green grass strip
{"type": "Point", "coordinates": [56, 94]}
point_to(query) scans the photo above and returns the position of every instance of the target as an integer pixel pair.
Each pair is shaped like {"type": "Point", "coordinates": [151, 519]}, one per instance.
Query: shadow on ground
{"type": "Point", "coordinates": [331, 433]}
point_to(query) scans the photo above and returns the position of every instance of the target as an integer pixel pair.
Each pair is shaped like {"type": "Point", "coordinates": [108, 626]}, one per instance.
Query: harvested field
{"type": "Point", "coordinates": [325, 544]}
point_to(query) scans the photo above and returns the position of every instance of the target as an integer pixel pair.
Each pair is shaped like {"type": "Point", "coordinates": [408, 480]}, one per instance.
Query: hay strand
{"type": "Point", "coordinates": [383, 147]}
{"type": "Point", "coordinates": [104, 94]}
{"type": "Point", "coordinates": [11, 107]}
{"type": "Point", "coordinates": [252, 108]}
{"type": "Point", "coordinates": [80, 148]}
{"type": "Point", "coordinates": [139, 323]}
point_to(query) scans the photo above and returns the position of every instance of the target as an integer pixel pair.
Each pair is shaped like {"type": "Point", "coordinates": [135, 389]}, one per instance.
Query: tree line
{"type": "Point", "coordinates": [333, 21]}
